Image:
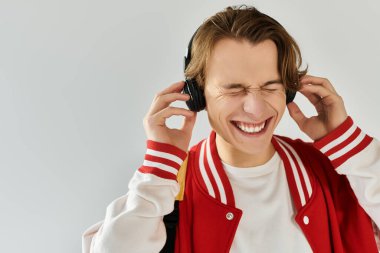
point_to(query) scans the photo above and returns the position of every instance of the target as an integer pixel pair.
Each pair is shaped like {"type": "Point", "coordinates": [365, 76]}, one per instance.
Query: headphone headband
{"type": "Point", "coordinates": [187, 57]}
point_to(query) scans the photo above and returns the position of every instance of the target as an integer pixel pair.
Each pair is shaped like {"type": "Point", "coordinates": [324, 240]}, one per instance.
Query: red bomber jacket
{"type": "Point", "coordinates": [334, 184]}
{"type": "Point", "coordinates": [328, 211]}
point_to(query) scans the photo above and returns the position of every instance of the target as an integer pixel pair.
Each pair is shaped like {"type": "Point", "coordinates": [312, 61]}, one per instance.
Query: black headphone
{"type": "Point", "coordinates": [197, 101]}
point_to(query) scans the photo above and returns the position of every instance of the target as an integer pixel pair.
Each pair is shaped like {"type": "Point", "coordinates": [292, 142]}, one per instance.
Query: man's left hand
{"type": "Point", "coordinates": [328, 104]}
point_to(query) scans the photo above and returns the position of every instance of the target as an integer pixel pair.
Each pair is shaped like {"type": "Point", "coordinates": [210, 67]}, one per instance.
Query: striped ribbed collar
{"type": "Point", "coordinates": [214, 180]}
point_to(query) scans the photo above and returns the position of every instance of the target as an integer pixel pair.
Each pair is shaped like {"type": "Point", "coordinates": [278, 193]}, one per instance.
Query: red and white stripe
{"type": "Point", "coordinates": [216, 182]}
{"type": "Point", "coordinates": [343, 142]}
{"type": "Point", "coordinates": [212, 173]}
{"type": "Point", "coordinates": [299, 173]}
{"type": "Point", "coordinates": [215, 173]}
{"type": "Point", "coordinates": [162, 160]}
{"type": "Point", "coordinates": [202, 168]}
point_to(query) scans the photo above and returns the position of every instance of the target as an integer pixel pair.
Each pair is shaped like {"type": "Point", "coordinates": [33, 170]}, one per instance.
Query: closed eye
{"type": "Point", "coordinates": [271, 90]}
{"type": "Point", "coordinates": [273, 87]}
{"type": "Point", "coordinates": [234, 89]}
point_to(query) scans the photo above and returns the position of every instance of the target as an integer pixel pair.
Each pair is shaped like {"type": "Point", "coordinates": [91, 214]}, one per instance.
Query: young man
{"type": "Point", "coordinates": [244, 189]}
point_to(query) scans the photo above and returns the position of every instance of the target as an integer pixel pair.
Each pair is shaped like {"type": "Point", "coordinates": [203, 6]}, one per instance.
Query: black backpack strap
{"type": "Point", "coordinates": [171, 221]}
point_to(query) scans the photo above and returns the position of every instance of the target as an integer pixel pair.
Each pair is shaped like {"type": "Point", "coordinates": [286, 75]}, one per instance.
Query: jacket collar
{"type": "Point", "coordinates": [214, 180]}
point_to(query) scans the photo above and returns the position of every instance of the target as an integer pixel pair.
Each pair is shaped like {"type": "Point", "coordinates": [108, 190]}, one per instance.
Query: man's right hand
{"type": "Point", "coordinates": [160, 110]}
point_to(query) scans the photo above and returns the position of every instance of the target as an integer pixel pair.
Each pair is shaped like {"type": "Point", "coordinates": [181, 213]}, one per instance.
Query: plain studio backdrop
{"type": "Point", "coordinates": [77, 77]}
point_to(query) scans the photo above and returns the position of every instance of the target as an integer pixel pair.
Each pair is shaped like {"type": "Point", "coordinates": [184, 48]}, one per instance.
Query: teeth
{"type": "Point", "coordinates": [250, 128]}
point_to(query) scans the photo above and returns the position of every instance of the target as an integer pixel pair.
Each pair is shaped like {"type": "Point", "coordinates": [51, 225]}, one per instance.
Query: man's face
{"type": "Point", "coordinates": [244, 93]}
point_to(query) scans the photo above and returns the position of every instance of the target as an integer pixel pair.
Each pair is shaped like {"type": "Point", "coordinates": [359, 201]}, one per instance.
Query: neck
{"type": "Point", "coordinates": [237, 158]}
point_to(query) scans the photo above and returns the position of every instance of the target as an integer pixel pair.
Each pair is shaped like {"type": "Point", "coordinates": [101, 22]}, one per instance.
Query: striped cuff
{"type": "Point", "coordinates": [343, 142]}
{"type": "Point", "coordinates": [162, 160]}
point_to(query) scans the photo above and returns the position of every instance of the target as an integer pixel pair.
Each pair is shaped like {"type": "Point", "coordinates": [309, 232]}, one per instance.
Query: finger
{"type": "Point", "coordinates": [175, 87]}
{"type": "Point", "coordinates": [308, 79]}
{"type": "Point", "coordinates": [165, 100]}
{"type": "Point", "coordinates": [319, 91]}
{"type": "Point", "coordinates": [188, 123]}
{"type": "Point", "coordinates": [296, 113]}
{"type": "Point", "coordinates": [327, 98]}
{"type": "Point", "coordinates": [313, 98]}
{"type": "Point", "coordinates": [160, 117]}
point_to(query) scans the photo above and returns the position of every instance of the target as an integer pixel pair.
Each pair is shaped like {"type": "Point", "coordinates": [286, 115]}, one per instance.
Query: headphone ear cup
{"type": "Point", "coordinates": [197, 101]}
{"type": "Point", "coordinates": [290, 95]}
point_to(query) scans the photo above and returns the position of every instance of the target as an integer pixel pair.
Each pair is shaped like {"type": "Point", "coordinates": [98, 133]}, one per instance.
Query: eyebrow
{"type": "Point", "coordinates": [240, 85]}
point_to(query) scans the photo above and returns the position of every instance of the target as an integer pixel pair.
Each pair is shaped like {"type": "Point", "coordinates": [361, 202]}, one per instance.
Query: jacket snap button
{"type": "Point", "coordinates": [306, 220]}
{"type": "Point", "coordinates": [229, 216]}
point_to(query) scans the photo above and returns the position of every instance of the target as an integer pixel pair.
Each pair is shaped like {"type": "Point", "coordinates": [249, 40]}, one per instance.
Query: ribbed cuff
{"type": "Point", "coordinates": [343, 142]}
{"type": "Point", "coordinates": [162, 160]}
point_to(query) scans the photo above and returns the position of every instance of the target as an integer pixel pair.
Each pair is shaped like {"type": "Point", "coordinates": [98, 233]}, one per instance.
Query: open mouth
{"type": "Point", "coordinates": [251, 129]}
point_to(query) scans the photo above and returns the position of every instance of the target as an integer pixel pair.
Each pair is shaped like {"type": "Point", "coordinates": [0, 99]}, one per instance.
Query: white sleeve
{"type": "Point", "coordinates": [134, 222]}
{"type": "Point", "coordinates": [356, 155]}
{"type": "Point", "coordinates": [363, 173]}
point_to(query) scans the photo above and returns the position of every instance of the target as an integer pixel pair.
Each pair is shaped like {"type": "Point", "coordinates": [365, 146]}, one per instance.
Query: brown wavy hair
{"type": "Point", "coordinates": [245, 22]}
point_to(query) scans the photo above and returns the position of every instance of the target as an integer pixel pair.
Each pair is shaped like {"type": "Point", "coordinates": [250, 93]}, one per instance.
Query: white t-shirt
{"type": "Point", "coordinates": [267, 224]}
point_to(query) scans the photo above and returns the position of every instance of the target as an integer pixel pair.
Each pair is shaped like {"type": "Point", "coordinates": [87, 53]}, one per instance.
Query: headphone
{"type": "Point", "coordinates": [197, 101]}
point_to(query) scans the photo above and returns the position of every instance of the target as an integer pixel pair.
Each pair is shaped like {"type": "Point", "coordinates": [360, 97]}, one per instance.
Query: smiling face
{"type": "Point", "coordinates": [245, 99]}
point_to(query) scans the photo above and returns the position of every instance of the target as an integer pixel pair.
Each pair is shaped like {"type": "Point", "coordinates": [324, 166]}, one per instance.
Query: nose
{"type": "Point", "coordinates": [254, 104]}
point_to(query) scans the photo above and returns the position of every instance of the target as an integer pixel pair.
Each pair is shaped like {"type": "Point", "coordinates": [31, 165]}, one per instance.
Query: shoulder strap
{"type": "Point", "coordinates": [171, 219]}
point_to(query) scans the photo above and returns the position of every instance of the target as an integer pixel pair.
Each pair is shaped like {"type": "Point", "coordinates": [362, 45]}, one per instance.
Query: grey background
{"type": "Point", "coordinates": [77, 77]}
